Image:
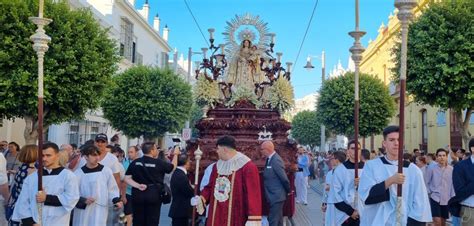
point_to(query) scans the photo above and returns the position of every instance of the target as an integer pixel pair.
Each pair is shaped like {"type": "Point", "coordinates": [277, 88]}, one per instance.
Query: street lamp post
{"type": "Point", "coordinates": [357, 49]}
{"type": "Point", "coordinates": [323, 78]}
{"type": "Point", "coordinates": [40, 40]}
{"type": "Point", "coordinates": [309, 66]}
{"type": "Point", "coordinates": [190, 54]}
{"type": "Point", "coordinates": [404, 14]}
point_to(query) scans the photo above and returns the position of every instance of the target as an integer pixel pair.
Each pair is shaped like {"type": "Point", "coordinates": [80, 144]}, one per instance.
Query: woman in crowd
{"type": "Point", "coordinates": [420, 161]}
{"type": "Point", "coordinates": [28, 156]}
{"type": "Point", "coordinates": [13, 163]}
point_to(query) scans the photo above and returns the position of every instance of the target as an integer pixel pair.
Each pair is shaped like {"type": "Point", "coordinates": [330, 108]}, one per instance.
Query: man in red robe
{"type": "Point", "coordinates": [233, 192]}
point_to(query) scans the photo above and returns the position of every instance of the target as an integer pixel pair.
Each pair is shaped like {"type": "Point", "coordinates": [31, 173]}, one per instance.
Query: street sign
{"type": "Point", "coordinates": [186, 134]}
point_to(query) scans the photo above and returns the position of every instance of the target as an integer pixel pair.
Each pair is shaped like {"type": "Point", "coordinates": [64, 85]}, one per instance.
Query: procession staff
{"type": "Point", "coordinates": [197, 157]}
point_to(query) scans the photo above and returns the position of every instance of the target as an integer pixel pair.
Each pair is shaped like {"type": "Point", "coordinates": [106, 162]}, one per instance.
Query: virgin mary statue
{"type": "Point", "coordinates": [242, 70]}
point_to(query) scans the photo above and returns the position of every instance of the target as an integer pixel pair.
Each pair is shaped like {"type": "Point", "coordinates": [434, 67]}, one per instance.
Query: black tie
{"type": "Point", "coordinates": [268, 162]}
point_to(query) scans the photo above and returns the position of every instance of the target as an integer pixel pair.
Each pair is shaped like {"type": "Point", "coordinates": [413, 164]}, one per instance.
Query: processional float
{"type": "Point", "coordinates": [244, 91]}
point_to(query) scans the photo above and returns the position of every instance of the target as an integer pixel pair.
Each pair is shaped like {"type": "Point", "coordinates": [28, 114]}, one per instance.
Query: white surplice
{"type": "Point", "coordinates": [380, 209]}
{"type": "Point", "coordinates": [61, 183]}
{"type": "Point", "coordinates": [98, 183]}
{"type": "Point", "coordinates": [342, 190]}
{"type": "Point", "coordinates": [329, 216]}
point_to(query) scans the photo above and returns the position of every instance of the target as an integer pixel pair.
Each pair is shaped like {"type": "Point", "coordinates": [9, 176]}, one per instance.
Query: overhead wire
{"type": "Point", "coordinates": [196, 22]}
{"type": "Point", "coordinates": [305, 33]}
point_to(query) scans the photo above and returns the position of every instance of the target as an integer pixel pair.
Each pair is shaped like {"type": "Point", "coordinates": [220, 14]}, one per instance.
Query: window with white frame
{"type": "Point", "coordinates": [164, 60]}
{"type": "Point", "coordinates": [157, 59]}
{"type": "Point", "coordinates": [139, 59]}
{"type": "Point", "coordinates": [441, 118]}
{"type": "Point", "coordinates": [126, 39]}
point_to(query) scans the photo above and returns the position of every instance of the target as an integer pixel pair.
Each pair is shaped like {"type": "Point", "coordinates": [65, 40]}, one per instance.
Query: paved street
{"type": "Point", "coordinates": [309, 215]}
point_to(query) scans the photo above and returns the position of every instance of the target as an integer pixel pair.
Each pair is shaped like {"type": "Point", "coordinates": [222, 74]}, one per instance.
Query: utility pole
{"type": "Point", "coordinates": [323, 79]}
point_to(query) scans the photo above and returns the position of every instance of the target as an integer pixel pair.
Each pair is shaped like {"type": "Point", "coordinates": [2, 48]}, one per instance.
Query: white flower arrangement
{"type": "Point", "coordinates": [280, 95]}
{"type": "Point", "coordinates": [243, 93]}
{"type": "Point", "coordinates": [206, 93]}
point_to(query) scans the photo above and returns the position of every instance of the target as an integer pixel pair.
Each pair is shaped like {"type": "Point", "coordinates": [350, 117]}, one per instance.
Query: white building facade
{"type": "Point", "coordinates": [139, 43]}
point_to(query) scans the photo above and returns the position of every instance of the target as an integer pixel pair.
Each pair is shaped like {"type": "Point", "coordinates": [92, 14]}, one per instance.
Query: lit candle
{"type": "Point", "coordinates": [41, 6]}
{"type": "Point", "coordinates": [211, 33]}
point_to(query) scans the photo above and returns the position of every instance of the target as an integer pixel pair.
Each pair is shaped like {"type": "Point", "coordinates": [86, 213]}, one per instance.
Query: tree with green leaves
{"type": "Point", "coordinates": [195, 115]}
{"type": "Point", "coordinates": [306, 128]}
{"type": "Point", "coordinates": [335, 105]}
{"type": "Point", "coordinates": [78, 65]}
{"type": "Point", "coordinates": [440, 66]}
{"type": "Point", "coordinates": [146, 101]}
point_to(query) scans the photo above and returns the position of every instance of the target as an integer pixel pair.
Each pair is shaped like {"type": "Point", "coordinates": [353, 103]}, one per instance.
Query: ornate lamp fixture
{"type": "Point", "coordinates": [273, 68]}
{"type": "Point", "coordinates": [216, 63]}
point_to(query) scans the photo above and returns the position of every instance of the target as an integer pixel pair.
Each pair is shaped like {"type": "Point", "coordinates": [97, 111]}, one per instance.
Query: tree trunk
{"type": "Point", "coordinates": [150, 139]}
{"type": "Point", "coordinates": [31, 130]}
{"type": "Point", "coordinates": [464, 125]}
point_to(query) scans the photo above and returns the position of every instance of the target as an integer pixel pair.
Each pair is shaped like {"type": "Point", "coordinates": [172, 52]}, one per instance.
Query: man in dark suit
{"type": "Point", "coordinates": [463, 182]}
{"type": "Point", "coordinates": [276, 183]}
{"type": "Point", "coordinates": [182, 192]}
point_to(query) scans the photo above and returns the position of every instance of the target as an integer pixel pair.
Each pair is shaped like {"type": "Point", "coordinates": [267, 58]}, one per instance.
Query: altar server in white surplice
{"type": "Point", "coordinates": [378, 188]}
{"type": "Point", "coordinates": [97, 188]}
{"type": "Point", "coordinates": [344, 188]}
{"type": "Point", "coordinates": [329, 198]}
{"type": "Point", "coordinates": [59, 196]}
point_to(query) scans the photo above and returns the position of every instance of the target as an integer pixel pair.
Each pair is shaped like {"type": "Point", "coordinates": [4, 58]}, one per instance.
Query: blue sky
{"type": "Point", "coordinates": [332, 21]}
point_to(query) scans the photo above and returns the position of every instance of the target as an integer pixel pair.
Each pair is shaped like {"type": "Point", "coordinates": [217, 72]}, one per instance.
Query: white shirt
{"type": "Point", "coordinates": [3, 172]}
{"type": "Point", "coordinates": [206, 176]}
{"type": "Point", "coordinates": [469, 201]}
{"type": "Point", "coordinates": [122, 172]}
{"type": "Point", "coordinates": [270, 157]}
{"type": "Point", "coordinates": [183, 169]}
